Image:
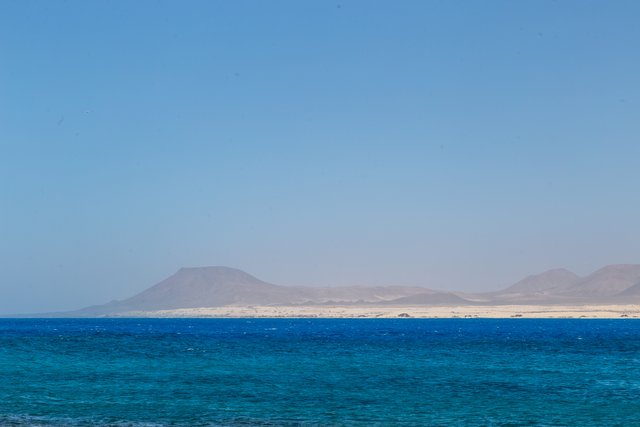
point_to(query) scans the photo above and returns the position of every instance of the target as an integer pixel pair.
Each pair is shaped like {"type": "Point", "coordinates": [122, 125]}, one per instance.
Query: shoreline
{"type": "Point", "coordinates": [589, 311]}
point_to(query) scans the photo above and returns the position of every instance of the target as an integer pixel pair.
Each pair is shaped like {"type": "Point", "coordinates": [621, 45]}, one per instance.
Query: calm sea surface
{"type": "Point", "coordinates": [264, 372]}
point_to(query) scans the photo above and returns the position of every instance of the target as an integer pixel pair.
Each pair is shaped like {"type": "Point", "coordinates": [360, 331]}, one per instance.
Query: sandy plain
{"type": "Point", "coordinates": [337, 311]}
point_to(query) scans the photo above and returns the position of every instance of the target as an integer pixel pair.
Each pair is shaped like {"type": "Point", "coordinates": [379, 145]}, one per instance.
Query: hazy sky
{"type": "Point", "coordinates": [455, 145]}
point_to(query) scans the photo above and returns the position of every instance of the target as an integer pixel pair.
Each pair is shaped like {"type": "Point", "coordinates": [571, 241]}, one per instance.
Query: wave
{"type": "Point", "coordinates": [14, 420]}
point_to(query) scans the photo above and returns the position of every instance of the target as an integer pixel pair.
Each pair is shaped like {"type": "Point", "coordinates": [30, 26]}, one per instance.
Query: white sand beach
{"type": "Point", "coordinates": [336, 311]}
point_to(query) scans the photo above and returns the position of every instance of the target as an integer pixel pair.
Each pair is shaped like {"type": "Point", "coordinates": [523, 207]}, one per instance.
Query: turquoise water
{"type": "Point", "coordinates": [266, 372]}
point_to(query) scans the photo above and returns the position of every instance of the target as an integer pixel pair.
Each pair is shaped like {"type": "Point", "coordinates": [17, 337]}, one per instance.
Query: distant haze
{"type": "Point", "coordinates": [448, 145]}
{"type": "Point", "coordinates": [219, 286]}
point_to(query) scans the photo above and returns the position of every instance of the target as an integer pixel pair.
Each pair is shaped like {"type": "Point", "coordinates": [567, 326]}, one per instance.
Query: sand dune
{"type": "Point", "coordinates": [419, 311]}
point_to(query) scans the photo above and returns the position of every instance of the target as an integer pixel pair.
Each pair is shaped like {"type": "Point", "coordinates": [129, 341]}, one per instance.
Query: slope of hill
{"type": "Point", "coordinates": [606, 282]}
{"type": "Point", "coordinates": [551, 280]}
{"type": "Point", "coordinates": [430, 298]}
{"type": "Point", "coordinates": [201, 287]}
{"type": "Point", "coordinates": [631, 293]}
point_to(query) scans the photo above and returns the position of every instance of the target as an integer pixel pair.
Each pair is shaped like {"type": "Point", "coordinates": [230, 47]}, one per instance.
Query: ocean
{"type": "Point", "coordinates": [319, 372]}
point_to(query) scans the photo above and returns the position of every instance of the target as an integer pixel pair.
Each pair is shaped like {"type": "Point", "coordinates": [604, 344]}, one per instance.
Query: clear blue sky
{"type": "Point", "coordinates": [454, 145]}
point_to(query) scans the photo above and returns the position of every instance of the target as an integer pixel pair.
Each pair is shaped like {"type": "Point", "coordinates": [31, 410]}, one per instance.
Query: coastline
{"type": "Point", "coordinates": [421, 312]}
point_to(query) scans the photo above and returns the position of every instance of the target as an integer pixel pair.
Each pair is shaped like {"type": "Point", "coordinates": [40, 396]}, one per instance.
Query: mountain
{"type": "Point", "coordinates": [223, 286]}
{"type": "Point", "coordinates": [606, 282]}
{"type": "Point", "coordinates": [610, 284]}
{"type": "Point", "coordinates": [202, 287]}
{"type": "Point", "coordinates": [630, 293]}
{"type": "Point", "coordinates": [549, 281]}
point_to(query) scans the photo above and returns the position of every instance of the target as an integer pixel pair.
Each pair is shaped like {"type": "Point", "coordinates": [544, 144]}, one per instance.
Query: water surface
{"type": "Point", "coordinates": [273, 372]}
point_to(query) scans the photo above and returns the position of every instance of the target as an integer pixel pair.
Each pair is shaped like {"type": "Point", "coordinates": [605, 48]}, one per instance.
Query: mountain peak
{"type": "Point", "coordinates": [216, 269]}
{"type": "Point", "coordinates": [215, 274]}
{"type": "Point", "coordinates": [210, 268]}
{"type": "Point", "coordinates": [607, 281]}
{"type": "Point", "coordinates": [618, 269]}
{"type": "Point", "coordinates": [550, 279]}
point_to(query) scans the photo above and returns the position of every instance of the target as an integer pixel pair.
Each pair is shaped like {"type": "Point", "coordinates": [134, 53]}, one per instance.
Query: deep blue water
{"type": "Point", "coordinates": [272, 372]}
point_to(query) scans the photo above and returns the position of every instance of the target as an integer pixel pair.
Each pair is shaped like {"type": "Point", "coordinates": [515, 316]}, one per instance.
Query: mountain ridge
{"type": "Point", "coordinates": [219, 286]}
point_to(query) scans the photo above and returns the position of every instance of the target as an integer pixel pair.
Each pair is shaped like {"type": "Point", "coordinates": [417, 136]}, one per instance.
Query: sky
{"type": "Point", "coordinates": [447, 144]}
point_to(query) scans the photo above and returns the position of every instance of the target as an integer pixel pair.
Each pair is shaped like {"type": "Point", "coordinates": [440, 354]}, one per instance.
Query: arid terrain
{"type": "Point", "coordinates": [610, 292]}
{"type": "Point", "coordinates": [465, 311]}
